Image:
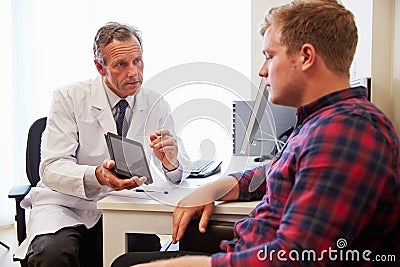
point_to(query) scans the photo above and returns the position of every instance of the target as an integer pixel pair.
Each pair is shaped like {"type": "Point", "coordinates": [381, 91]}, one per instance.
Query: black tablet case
{"type": "Point", "coordinates": [129, 156]}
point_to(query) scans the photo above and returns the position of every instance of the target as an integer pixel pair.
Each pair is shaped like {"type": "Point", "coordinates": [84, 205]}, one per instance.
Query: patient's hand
{"type": "Point", "coordinates": [184, 213]}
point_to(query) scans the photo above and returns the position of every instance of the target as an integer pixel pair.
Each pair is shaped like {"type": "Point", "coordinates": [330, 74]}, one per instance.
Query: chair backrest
{"type": "Point", "coordinates": [33, 150]}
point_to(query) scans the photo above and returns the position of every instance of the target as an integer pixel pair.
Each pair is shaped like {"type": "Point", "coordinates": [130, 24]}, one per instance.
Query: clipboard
{"type": "Point", "coordinates": [129, 156]}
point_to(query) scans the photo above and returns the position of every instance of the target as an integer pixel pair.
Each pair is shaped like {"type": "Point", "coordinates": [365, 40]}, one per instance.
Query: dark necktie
{"type": "Point", "coordinates": [123, 104]}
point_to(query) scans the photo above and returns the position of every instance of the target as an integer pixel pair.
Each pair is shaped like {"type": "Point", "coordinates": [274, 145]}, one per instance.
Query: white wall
{"type": "Point", "coordinates": [362, 64]}
{"type": "Point", "coordinates": [378, 51]}
{"type": "Point", "coordinates": [382, 56]}
{"type": "Point", "coordinates": [6, 134]}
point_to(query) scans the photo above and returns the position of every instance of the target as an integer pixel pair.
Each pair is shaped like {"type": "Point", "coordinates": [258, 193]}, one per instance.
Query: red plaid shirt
{"type": "Point", "coordinates": [335, 187]}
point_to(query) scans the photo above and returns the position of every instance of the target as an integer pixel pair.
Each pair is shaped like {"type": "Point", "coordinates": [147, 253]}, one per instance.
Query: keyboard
{"type": "Point", "coordinates": [204, 168]}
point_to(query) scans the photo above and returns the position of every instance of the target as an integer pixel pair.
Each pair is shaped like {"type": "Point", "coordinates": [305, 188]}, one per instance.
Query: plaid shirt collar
{"type": "Point", "coordinates": [307, 110]}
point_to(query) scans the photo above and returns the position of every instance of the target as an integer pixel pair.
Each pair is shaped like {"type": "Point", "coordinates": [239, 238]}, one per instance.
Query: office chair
{"type": "Point", "coordinates": [18, 192]}
{"type": "Point", "coordinates": [208, 242]}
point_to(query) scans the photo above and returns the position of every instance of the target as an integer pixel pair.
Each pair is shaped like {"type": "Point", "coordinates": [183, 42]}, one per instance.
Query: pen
{"type": "Point", "coordinates": [170, 243]}
{"type": "Point", "coordinates": [150, 191]}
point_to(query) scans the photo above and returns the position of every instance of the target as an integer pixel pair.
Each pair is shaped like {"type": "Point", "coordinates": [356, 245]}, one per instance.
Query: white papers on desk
{"type": "Point", "coordinates": [175, 193]}
{"type": "Point", "coordinates": [130, 193]}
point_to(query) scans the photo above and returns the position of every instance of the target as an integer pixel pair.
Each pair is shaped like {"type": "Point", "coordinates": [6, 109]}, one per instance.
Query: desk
{"type": "Point", "coordinates": [123, 215]}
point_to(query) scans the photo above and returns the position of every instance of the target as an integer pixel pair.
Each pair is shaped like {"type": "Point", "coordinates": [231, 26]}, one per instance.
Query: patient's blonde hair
{"type": "Point", "coordinates": [325, 24]}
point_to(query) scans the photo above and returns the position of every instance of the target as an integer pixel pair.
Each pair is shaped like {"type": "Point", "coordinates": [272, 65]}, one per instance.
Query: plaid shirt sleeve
{"type": "Point", "coordinates": [344, 168]}
{"type": "Point", "coordinates": [244, 179]}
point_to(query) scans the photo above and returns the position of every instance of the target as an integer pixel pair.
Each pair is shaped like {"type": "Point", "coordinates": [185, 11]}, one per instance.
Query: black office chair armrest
{"type": "Point", "coordinates": [19, 191]}
{"type": "Point", "coordinates": [208, 242]}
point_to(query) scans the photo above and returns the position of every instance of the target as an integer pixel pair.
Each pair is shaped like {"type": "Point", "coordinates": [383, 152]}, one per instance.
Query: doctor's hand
{"type": "Point", "coordinates": [165, 148]}
{"type": "Point", "coordinates": [106, 176]}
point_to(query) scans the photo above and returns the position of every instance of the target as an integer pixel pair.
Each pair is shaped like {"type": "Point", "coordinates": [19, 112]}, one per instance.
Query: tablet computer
{"type": "Point", "coordinates": [130, 159]}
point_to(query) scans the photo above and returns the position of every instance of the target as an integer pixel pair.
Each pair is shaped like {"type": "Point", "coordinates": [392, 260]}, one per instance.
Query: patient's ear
{"type": "Point", "coordinates": [308, 55]}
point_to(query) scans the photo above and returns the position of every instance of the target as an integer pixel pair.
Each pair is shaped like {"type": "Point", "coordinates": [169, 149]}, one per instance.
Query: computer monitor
{"type": "Point", "coordinates": [265, 122]}
{"type": "Point", "coordinates": [256, 115]}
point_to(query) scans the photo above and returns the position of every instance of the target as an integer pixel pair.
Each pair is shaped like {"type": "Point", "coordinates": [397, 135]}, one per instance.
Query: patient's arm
{"type": "Point", "coordinates": [201, 203]}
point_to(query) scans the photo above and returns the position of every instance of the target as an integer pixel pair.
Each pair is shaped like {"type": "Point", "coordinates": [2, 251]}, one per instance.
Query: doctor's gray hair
{"type": "Point", "coordinates": [111, 31]}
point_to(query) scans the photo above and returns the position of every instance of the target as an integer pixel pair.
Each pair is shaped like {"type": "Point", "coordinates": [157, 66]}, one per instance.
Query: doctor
{"type": "Point", "coordinates": [65, 226]}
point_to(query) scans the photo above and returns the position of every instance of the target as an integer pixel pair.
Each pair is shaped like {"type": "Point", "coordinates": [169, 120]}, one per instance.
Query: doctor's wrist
{"type": "Point", "coordinates": [170, 167]}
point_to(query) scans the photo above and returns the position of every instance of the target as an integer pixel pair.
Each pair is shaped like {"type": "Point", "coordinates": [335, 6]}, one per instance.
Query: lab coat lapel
{"type": "Point", "coordinates": [101, 108]}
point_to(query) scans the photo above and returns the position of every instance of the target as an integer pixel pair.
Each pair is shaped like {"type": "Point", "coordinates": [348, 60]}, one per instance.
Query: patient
{"type": "Point", "coordinates": [335, 186]}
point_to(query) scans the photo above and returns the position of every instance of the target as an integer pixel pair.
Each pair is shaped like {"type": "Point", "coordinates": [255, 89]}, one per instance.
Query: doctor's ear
{"type": "Point", "coordinates": [100, 67]}
{"type": "Point", "coordinates": [308, 54]}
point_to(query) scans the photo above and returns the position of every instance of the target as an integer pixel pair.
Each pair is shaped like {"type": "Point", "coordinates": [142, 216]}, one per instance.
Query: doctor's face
{"type": "Point", "coordinates": [123, 68]}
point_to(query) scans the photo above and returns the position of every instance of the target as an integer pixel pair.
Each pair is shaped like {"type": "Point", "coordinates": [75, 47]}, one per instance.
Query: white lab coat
{"type": "Point", "coordinates": [73, 144]}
